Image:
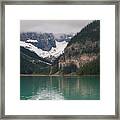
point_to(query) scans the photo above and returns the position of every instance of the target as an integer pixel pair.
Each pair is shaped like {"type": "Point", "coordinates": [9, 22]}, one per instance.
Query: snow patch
{"type": "Point", "coordinates": [33, 41]}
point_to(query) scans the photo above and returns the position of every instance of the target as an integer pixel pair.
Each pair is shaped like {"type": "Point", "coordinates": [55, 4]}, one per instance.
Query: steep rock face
{"type": "Point", "coordinates": [45, 41]}
{"type": "Point", "coordinates": [83, 48]}
{"type": "Point", "coordinates": [63, 37]}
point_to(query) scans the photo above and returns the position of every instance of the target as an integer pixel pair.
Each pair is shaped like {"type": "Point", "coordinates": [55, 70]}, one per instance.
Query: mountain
{"type": "Point", "coordinates": [63, 37]}
{"type": "Point", "coordinates": [82, 50]}
{"type": "Point", "coordinates": [77, 54]}
{"type": "Point", "coordinates": [37, 56]}
{"type": "Point", "coordinates": [45, 45]}
{"type": "Point", "coordinates": [31, 63]}
{"type": "Point", "coordinates": [44, 41]}
{"type": "Point", "coordinates": [51, 55]}
{"type": "Point", "coordinates": [87, 41]}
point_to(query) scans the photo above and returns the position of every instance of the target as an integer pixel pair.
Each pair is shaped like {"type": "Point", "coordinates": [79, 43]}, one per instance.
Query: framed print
{"type": "Point", "coordinates": [59, 59]}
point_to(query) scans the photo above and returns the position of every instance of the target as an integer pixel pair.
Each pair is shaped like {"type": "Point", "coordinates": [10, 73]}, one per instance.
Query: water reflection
{"type": "Point", "coordinates": [59, 88]}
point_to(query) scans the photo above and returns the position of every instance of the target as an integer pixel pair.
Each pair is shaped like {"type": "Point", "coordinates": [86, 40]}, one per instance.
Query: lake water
{"type": "Point", "coordinates": [59, 88]}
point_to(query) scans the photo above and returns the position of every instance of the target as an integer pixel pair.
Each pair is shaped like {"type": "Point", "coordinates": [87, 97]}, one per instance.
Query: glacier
{"type": "Point", "coordinates": [54, 52]}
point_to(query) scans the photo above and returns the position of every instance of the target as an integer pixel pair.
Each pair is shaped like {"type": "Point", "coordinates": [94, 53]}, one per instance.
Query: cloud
{"type": "Point", "coordinates": [53, 26]}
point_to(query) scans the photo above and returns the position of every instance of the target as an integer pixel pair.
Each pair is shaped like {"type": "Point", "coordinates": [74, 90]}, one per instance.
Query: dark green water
{"type": "Point", "coordinates": [58, 88]}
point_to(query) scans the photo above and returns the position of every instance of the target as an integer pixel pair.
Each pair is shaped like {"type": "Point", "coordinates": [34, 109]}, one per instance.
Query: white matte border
{"type": "Point", "coordinates": [104, 13]}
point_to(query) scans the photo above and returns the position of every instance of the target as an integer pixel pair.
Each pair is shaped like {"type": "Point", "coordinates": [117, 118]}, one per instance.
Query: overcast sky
{"type": "Point", "coordinates": [53, 26]}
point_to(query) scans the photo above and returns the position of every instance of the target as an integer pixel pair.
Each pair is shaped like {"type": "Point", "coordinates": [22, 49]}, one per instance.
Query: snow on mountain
{"type": "Point", "coordinates": [59, 49]}
{"type": "Point", "coordinates": [33, 41]}
{"type": "Point", "coordinates": [54, 52]}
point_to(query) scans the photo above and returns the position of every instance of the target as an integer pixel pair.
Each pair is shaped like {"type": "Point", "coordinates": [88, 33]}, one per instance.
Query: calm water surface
{"type": "Point", "coordinates": [59, 88]}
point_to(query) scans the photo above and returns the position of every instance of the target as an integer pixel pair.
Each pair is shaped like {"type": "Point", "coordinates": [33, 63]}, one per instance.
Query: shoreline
{"type": "Point", "coordinates": [54, 75]}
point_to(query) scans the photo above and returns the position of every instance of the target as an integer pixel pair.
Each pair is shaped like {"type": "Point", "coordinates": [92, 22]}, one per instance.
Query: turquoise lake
{"type": "Point", "coordinates": [60, 87]}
